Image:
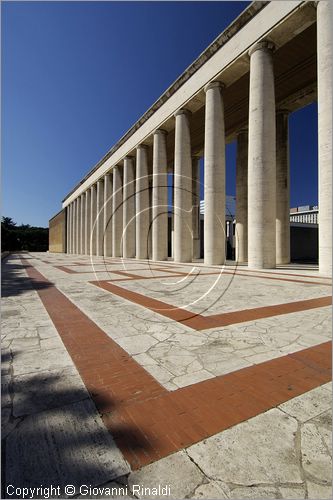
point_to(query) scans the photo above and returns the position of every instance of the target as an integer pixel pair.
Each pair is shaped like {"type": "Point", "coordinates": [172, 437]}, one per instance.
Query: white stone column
{"type": "Point", "coordinates": [93, 222]}
{"type": "Point", "coordinates": [72, 226]}
{"type": "Point", "coordinates": [75, 226]}
{"type": "Point", "coordinates": [78, 233]}
{"type": "Point", "coordinates": [107, 220]}
{"type": "Point", "coordinates": [142, 202]}
{"type": "Point", "coordinates": [150, 236]}
{"type": "Point", "coordinates": [262, 161]}
{"type": "Point", "coordinates": [82, 221]}
{"type": "Point", "coordinates": [214, 227]}
{"type": "Point", "coordinates": [282, 189]}
{"type": "Point", "coordinates": [117, 212]}
{"type": "Point", "coordinates": [196, 206]}
{"type": "Point", "coordinates": [172, 242]}
{"type": "Point", "coordinates": [241, 196]}
{"type": "Point", "coordinates": [325, 90]}
{"type": "Point", "coordinates": [87, 222]}
{"type": "Point", "coordinates": [68, 236]}
{"type": "Point", "coordinates": [100, 218]}
{"type": "Point", "coordinates": [183, 246]}
{"type": "Point", "coordinates": [68, 223]}
{"type": "Point", "coordinates": [129, 209]}
{"type": "Point", "coordinates": [160, 197]}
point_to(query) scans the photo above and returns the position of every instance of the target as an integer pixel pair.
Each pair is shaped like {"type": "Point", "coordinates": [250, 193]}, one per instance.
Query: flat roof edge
{"type": "Point", "coordinates": [56, 215]}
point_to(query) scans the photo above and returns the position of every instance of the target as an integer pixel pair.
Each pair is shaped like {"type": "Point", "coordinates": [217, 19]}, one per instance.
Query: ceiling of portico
{"type": "Point", "coordinates": [295, 86]}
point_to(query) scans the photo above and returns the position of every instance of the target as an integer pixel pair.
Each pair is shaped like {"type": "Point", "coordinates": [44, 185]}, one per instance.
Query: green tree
{"type": "Point", "coordinates": [8, 223]}
{"type": "Point", "coordinates": [23, 237]}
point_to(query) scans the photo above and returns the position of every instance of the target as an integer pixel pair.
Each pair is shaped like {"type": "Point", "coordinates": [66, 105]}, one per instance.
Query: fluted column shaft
{"type": "Point", "coordinates": [69, 222]}
{"type": "Point", "coordinates": [183, 246]}
{"type": "Point", "coordinates": [282, 189]}
{"type": "Point", "coordinates": [214, 228]}
{"type": "Point", "coordinates": [129, 209]}
{"type": "Point", "coordinates": [107, 215]}
{"type": "Point", "coordinates": [241, 196]}
{"type": "Point", "coordinates": [262, 161]}
{"type": "Point", "coordinates": [87, 221]}
{"type": "Point", "coordinates": [100, 218]}
{"type": "Point", "coordinates": [67, 227]}
{"type": "Point", "coordinates": [78, 226]}
{"type": "Point", "coordinates": [142, 203]}
{"type": "Point", "coordinates": [73, 227]}
{"type": "Point", "coordinates": [93, 214]}
{"type": "Point", "coordinates": [325, 90]}
{"type": "Point", "coordinates": [82, 222]}
{"type": "Point", "coordinates": [117, 212]}
{"type": "Point", "coordinates": [160, 197]}
{"type": "Point", "coordinates": [196, 206]}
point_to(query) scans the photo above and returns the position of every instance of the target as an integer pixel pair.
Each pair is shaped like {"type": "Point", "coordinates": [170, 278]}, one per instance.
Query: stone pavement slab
{"type": "Point", "coordinates": [282, 452]}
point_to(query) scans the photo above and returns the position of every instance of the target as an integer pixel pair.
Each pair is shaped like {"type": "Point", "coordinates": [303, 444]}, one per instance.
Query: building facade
{"type": "Point", "coordinates": [305, 215]}
{"type": "Point", "coordinates": [275, 58]}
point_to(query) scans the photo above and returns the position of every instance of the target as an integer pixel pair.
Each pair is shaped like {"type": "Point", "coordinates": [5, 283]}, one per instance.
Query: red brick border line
{"type": "Point", "coordinates": [147, 421]}
{"type": "Point", "coordinates": [127, 274]}
{"type": "Point", "coordinates": [199, 322]}
{"type": "Point", "coordinates": [182, 273]}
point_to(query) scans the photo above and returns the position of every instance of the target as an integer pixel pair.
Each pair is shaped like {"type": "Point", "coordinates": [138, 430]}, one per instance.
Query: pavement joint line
{"type": "Point", "coordinates": [149, 422]}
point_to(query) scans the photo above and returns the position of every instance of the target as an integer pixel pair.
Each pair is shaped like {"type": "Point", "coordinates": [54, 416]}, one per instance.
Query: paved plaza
{"type": "Point", "coordinates": [124, 375]}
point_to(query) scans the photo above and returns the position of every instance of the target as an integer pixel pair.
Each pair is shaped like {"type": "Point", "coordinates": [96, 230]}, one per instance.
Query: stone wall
{"type": "Point", "coordinates": [57, 232]}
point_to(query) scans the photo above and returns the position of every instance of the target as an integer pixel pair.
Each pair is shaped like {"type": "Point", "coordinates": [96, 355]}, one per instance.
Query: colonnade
{"type": "Point", "coordinates": [125, 213]}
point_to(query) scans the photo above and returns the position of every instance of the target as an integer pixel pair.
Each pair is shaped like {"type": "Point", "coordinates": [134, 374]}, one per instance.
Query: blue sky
{"type": "Point", "coordinates": [77, 75]}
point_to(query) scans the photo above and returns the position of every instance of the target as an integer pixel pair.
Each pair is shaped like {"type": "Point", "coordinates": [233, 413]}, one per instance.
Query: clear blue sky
{"type": "Point", "coordinates": [77, 75]}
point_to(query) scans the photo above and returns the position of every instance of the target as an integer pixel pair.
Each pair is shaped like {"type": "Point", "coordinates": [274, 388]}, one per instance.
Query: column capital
{"type": "Point", "coordinates": [142, 146]}
{"type": "Point", "coordinates": [182, 111]}
{"type": "Point", "coordinates": [101, 180]}
{"type": "Point", "coordinates": [263, 45]}
{"type": "Point", "coordinates": [160, 131]}
{"type": "Point", "coordinates": [214, 85]}
{"type": "Point", "coordinates": [128, 160]}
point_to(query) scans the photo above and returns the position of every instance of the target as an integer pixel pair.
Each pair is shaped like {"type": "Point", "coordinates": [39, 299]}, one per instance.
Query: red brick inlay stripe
{"type": "Point", "coordinates": [199, 322]}
{"type": "Point", "coordinates": [172, 274]}
{"type": "Point", "coordinates": [147, 421]}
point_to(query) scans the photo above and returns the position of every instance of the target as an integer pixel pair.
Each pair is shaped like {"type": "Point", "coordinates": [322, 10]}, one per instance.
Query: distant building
{"type": "Point", "coordinates": [305, 215]}
{"type": "Point", "coordinates": [230, 207]}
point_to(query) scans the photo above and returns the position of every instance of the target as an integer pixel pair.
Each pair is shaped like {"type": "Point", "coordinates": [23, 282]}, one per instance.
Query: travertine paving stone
{"type": "Point", "coordinates": [51, 428]}
{"type": "Point", "coordinates": [316, 445]}
{"type": "Point", "coordinates": [308, 405]}
{"type": "Point", "coordinates": [177, 471]}
{"type": "Point", "coordinates": [215, 351]}
{"type": "Point", "coordinates": [51, 431]}
{"type": "Point", "coordinates": [223, 456]}
{"type": "Point", "coordinates": [75, 439]}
